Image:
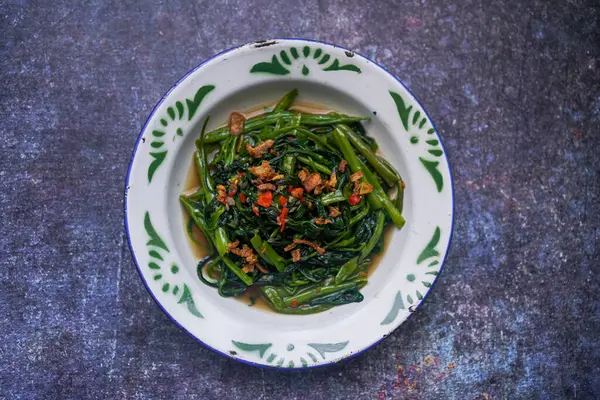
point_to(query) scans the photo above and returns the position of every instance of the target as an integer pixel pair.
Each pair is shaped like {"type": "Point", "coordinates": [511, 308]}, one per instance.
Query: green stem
{"type": "Point", "coordinates": [333, 197]}
{"type": "Point", "coordinates": [354, 163]}
{"type": "Point", "coordinates": [275, 134]}
{"type": "Point", "coordinates": [197, 195]}
{"type": "Point", "coordinates": [263, 120]}
{"type": "Point", "coordinates": [274, 299]}
{"type": "Point", "coordinates": [198, 219]}
{"type": "Point", "coordinates": [240, 145]}
{"type": "Point", "coordinates": [386, 203]}
{"type": "Point", "coordinates": [288, 164]}
{"type": "Point", "coordinates": [289, 161]}
{"type": "Point", "coordinates": [313, 291]}
{"type": "Point", "coordinates": [315, 165]}
{"type": "Point", "coordinates": [305, 310]}
{"type": "Point", "coordinates": [207, 182]}
{"type": "Point", "coordinates": [221, 242]}
{"type": "Point", "coordinates": [343, 243]}
{"type": "Point", "coordinates": [296, 119]}
{"type": "Point", "coordinates": [390, 167]}
{"type": "Point", "coordinates": [199, 165]}
{"type": "Point", "coordinates": [229, 148]}
{"type": "Point", "coordinates": [339, 239]}
{"type": "Point", "coordinates": [214, 218]}
{"type": "Point", "coordinates": [389, 175]}
{"type": "Point", "coordinates": [347, 269]}
{"type": "Point", "coordinates": [399, 197]}
{"type": "Point", "coordinates": [361, 215]}
{"type": "Point", "coordinates": [286, 101]}
{"type": "Point", "coordinates": [267, 253]}
{"type": "Point", "coordinates": [377, 233]}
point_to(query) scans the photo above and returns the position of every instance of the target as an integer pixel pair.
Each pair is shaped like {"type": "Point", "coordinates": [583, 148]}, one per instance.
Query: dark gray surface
{"type": "Point", "coordinates": [514, 88]}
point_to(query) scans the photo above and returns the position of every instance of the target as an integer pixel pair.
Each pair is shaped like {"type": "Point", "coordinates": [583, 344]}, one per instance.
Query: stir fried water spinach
{"type": "Point", "coordinates": [295, 204]}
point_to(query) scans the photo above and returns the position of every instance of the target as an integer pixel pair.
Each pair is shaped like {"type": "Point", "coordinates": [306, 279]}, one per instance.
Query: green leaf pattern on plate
{"type": "Point", "coordinates": [414, 120]}
{"type": "Point", "coordinates": [273, 358]}
{"type": "Point", "coordinates": [284, 62]}
{"type": "Point", "coordinates": [430, 257]}
{"type": "Point", "coordinates": [157, 251]}
{"type": "Point", "coordinates": [170, 127]}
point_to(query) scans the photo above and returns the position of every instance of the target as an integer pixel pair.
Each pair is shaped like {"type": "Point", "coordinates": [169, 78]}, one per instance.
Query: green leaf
{"type": "Point", "coordinates": [155, 254]}
{"type": "Point", "coordinates": [155, 239]}
{"type": "Point", "coordinates": [325, 58]}
{"type": "Point", "coordinates": [260, 348]}
{"type": "Point", "coordinates": [158, 159]}
{"type": "Point", "coordinates": [153, 265]}
{"type": "Point", "coordinates": [294, 52]}
{"type": "Point", "coordinates": [403, 110]}
{"type": "Point", "coordinates": [180, 109]}
{"type": "Point", "coordinates": [416, 117]}
{"type": "Point", "coordinates": [284, 57]}
{"type": "Point", "coordinates": [306, 51]}
{"type": "Point", "coordinates": [274, 67]}
{"type": "Point", "coordinates": [171, 113]}
{"type": "Point", "coordinates": [193, 104]}
{"type": "Point", "coordinates": [337, 67]}
{"type": "Point", "coordinates": [432, 168]}
{"type": "Point", "coordinates": [188, 300]}
{"type": "Point", "coordinates": [429, 250]}
{"type": "Point", "coordinates": [323, 348]}
{"type": "Point", "coordinates": [396, 307]}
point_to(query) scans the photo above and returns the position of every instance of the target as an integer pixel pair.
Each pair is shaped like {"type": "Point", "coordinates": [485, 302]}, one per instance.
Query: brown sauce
{"type": "Point", "coordinates": [252, 296]}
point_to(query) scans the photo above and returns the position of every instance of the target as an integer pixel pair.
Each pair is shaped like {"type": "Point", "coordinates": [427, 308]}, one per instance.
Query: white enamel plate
{"type": "Point", "coordinates": [255, 74]}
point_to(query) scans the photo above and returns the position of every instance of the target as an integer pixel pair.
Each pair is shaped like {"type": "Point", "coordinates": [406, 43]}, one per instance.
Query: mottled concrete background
{"type": "Point", "coordinates": [514, 88]}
